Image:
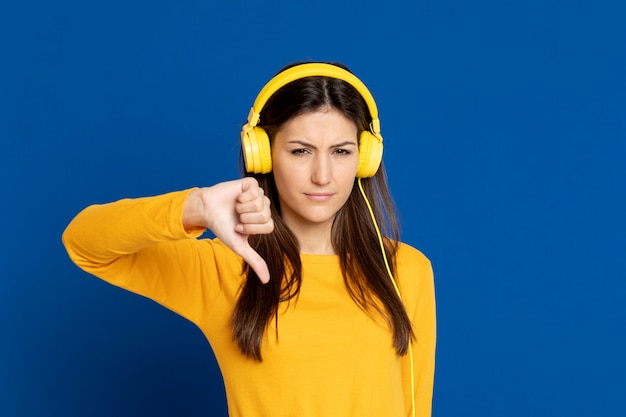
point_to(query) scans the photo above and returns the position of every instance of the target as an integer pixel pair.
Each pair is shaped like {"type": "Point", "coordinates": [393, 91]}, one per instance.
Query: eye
{"type": "Point", "coordinates": [342, 151]}
{"type": "Point", "coordinates": [299, 151]}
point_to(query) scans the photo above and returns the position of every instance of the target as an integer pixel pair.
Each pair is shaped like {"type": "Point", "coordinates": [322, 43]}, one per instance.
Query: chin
{"type": "Point", "coordinates": [317, 218]}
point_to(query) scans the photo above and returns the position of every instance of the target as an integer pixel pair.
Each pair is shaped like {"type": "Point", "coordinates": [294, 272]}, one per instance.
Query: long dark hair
{"type": "Point", "coordinates": [353, 234]}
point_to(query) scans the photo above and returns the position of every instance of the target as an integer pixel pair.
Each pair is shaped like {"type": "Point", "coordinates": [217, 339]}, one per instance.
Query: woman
{"type": "Point", "coordinates": [309, 311]}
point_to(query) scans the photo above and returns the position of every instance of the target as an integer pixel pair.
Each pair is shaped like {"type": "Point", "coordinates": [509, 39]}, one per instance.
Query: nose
{"type": "Point", "coordinates": [321, 173]}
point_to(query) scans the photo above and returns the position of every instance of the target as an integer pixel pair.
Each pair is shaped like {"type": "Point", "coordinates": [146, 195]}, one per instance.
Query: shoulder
{"type": "Point", "coordinates": [413, 270]}
{"type": "Point", "coordinates": [411, 258]}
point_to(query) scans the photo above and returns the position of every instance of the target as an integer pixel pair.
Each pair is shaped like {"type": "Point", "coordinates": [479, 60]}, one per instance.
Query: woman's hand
{"type": "Point", "coordinates": [233, 210]}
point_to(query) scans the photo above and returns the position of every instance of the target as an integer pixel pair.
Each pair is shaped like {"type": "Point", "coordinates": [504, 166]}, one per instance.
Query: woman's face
{"type": "Point", "coordinates": [314, 161]}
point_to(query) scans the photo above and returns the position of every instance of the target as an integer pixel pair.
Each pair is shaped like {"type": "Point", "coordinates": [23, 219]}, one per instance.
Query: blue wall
{"type": "Point", "coordinates": [505, 133]}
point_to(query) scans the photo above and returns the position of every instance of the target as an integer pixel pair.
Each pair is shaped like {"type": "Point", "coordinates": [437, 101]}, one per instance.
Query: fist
{"type": "Point", "coordinates": [235, 210]}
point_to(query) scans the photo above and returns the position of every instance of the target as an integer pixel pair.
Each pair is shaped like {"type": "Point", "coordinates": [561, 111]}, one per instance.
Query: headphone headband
{"type": "Point", "coordinates": [255, 141]}
{"type": "Point", "coordinates": [313, 70]}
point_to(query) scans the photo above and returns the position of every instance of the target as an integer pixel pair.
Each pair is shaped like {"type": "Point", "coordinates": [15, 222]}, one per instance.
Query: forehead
{"type": "Point", "coordinates": [320, 122]}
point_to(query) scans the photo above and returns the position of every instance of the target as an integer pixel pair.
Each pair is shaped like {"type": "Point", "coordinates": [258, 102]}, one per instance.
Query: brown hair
{"type": "Point", "coordinates": [353, 234]}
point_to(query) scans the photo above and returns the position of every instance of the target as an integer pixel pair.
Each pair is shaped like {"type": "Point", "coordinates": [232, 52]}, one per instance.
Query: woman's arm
{"type": "Point", "coordinates": [148, 245]}
{"type": "Point", "coordinates": [425, 328]}
{"type": "Point", "coordinates": [418, 294]}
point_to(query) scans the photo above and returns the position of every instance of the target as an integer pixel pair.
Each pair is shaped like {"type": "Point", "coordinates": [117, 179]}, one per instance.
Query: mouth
{"type": "Point", "coordinates": [319, 197]}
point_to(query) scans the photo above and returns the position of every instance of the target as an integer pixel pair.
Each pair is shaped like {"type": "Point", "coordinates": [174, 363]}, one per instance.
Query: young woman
{"type": "Point", "coordinates": [309, 301]}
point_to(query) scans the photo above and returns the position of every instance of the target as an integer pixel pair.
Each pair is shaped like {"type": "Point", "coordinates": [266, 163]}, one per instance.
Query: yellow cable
{"type": "Point", "coordinates": [393, 281]}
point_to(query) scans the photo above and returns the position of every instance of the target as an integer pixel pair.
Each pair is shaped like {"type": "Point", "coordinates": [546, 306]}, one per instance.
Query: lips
{"type": "Point", "coordinates": [319, 197]}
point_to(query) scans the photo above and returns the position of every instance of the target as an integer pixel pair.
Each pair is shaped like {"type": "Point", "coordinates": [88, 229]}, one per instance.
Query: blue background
{"type": "Point", "coordinates": [505, 134]}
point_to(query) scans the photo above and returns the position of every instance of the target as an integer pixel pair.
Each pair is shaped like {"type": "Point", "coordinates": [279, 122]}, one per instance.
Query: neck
{"type": "Point", "coordinates": [314, 240]}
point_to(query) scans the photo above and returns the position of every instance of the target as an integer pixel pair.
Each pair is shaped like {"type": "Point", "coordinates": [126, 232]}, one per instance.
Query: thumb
{"type": "Point", "coordinates": [255, 261]}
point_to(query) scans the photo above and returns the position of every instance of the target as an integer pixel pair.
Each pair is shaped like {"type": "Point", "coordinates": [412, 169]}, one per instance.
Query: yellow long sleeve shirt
{"type": "Point", "coordinates": [328, 358]}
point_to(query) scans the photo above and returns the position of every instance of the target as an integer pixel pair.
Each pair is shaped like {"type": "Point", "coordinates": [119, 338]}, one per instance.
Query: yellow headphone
{"type": "Point", "coordinates": [255, 142]}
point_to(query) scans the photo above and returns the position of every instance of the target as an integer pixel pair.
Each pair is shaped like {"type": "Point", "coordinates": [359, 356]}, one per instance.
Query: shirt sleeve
{"type": "Point", "coordinates": [141, 245]}
{"type": "Point", "coordinates": [419, 298]}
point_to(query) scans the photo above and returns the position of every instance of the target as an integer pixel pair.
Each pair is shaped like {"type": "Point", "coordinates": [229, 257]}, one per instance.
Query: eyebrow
{"type": "Point", "coordinates": [309, 145]}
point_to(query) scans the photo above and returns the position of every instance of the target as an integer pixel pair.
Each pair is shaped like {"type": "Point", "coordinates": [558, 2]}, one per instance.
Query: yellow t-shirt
{"type": "Point", "coordinates": [328, 357]}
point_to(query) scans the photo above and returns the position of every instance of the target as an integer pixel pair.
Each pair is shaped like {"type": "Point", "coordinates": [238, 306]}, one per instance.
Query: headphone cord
{"type": "Point", "coordinates": [395, 286]}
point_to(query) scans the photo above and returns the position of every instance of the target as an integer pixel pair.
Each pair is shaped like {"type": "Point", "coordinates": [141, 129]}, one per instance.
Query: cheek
{"type": "Point", "coordinates": [348, 184]}
{"type": "Point", "coordinates": [284, 180]}
{"type": "Point", "coordinates": [348, 175]}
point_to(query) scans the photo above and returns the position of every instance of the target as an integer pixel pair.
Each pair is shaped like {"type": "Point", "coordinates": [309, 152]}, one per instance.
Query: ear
{"type": "Point", "coordinates": [256, 150]}
{"type": "Point", "coordinates": [370, 154]}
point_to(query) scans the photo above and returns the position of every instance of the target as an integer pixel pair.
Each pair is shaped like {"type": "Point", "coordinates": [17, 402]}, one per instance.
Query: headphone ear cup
{"type": "Point", "coordinates": [256, 150]}
{"type": "Point", "coordinates": [370, 154]}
